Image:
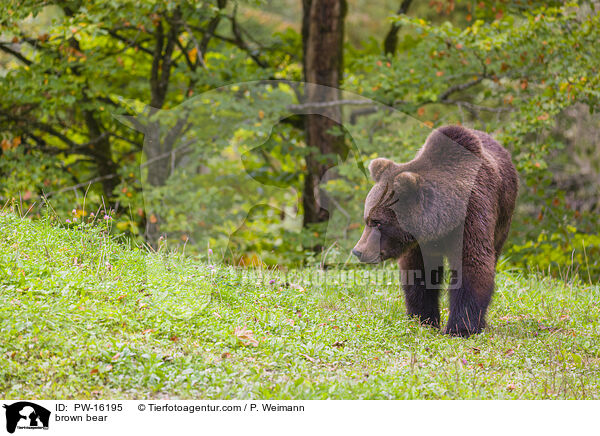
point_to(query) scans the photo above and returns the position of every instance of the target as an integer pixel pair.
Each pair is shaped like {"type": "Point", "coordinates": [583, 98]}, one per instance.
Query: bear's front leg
{"type": "Point", "coordinates": [470, 299]}
{"type": "Point", "coordinates": [421, 302]}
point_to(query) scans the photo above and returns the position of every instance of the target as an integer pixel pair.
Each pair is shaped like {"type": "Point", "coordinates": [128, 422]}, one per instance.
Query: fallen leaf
{"type": "Point", "coordinates": [94, 371]}
{"type": "Point", "coordinates": [509, 352]}
{"type": "Point", "coordinates": [550, 329]}
{"type": "Point", "coordinates": [147, 331]}
{"type": "Point", "coordinates": [307, 357]}
{"type": "Point", "coordinates": [245, 336]}
{"type": "Point", "coordinates": [225, 355]}
{"type": "Point", "coordinates": [524, 84]}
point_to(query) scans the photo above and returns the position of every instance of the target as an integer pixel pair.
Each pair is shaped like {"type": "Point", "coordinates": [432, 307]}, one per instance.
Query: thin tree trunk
{"type": "Point", "coordinates": [323, 37]}
{"type": "Point", "coordinates": [391, 39]}
{"type": "Point", "coordinates": [107, 167]}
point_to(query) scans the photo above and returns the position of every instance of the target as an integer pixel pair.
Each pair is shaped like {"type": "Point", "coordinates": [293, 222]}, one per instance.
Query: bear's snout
{"type": "Point", "coordinates": [368, 248]}
{"type": "Point", "coordinates": [363, 258]}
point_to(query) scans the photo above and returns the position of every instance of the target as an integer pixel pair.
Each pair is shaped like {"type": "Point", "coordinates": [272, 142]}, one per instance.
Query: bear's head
{"type": "Point", "coordinates": [393, 212]}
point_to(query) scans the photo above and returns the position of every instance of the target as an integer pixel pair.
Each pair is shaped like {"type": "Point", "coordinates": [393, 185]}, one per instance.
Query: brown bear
{"type": "Point", "coordinates": [454, 200]}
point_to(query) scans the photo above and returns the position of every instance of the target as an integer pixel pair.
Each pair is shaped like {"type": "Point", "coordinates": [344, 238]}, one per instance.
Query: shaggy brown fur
{"type": "Point", "coordinates": [455, 199]}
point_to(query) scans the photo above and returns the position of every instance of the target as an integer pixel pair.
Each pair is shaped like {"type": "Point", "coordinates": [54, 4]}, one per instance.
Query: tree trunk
{"type": "Point", "coordinates": [106, 166]}
{"type": "Point", "coordinates": [159, 149]}
{"type": "Point", "coordinates": [323, 37]}
{"type": "Point", "coordinates": [391, 39]}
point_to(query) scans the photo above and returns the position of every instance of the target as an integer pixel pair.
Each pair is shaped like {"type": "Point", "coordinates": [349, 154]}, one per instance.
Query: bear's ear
{"type": "Point", "coordinates": [407, 183]}
{"type": "Point", "coordinates": [378, 166]}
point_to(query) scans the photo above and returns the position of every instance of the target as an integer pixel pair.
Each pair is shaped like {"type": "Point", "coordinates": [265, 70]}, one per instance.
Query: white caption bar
{"type": "Point", "coordinates": [256, 417]}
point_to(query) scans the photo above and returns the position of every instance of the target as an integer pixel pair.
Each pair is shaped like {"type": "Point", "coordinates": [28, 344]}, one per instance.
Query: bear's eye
{"type": "Point", "coordinates": [375, 223]}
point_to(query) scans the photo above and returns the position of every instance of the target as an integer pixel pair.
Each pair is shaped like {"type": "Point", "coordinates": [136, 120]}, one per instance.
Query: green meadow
{"type": "Point", "coordinates": [85, 316]}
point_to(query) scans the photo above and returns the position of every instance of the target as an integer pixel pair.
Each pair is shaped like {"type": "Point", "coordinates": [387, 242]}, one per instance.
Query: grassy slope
{"type": "Point", "coordinates": [79, 318]}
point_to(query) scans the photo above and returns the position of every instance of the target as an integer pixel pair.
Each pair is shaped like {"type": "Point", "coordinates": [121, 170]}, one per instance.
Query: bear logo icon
{"type": "Point", "coordinates": [25, 414]}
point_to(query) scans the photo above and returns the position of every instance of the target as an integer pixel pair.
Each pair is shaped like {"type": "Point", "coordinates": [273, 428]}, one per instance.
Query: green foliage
{"type": "Point", "coordinates": [71, 70]}
{"type": "Point", "coordinates": [562, 253]}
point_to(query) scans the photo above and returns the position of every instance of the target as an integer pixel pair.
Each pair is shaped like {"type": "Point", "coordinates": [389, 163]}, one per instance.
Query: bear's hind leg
{"type": "Point", "coordinates": [421, 302]}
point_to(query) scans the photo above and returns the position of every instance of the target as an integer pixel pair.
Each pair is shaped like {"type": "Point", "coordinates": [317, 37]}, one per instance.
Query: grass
{"type": "Point", "coordinates": [82, 316]}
